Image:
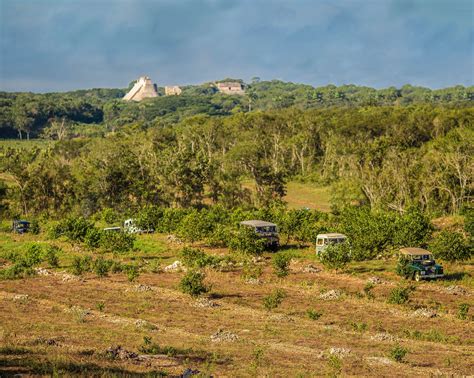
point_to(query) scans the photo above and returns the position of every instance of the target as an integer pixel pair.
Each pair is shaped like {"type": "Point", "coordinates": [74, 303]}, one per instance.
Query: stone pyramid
{"type": "Point", "coordinates": [143, 88]}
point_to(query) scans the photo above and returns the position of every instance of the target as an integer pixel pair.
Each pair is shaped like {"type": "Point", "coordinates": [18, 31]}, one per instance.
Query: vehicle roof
{"type": "Point", "coordinates": [257, 223]}
{"type": "Point", "coordinates": [414, 251]}
{"type": "Point", "coordinates": [331, 235]}
{"type": "Point", "coordinates": [112, 228]}
{"type": "Point", "coordinates": [21, 221]}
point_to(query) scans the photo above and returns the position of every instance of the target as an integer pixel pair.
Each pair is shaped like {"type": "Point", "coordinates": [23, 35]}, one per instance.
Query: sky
{"type": "Point", "coordinates": [59, 45]}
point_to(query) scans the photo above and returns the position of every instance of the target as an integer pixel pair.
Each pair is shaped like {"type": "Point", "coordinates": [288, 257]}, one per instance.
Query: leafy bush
{"type": "Point", "coordinates": [368, 290]}
{"type": "Point", "coordinates": [413, 228]}
{"type": "Point", "coordinates": [335, 256]}
{"type": "Point", "coordinates": [116, 267]}
{"type": "Point", "coordinates": [398, 353]}
{"type": "Point", "coordinates": [51, 255]}
{"type": "Point", "coordinates": [370, 232]}
{"type": "Point", "coordinates": [33, 256]}
{"type": "Point", "coordinates": [194, 226]}
{"type": "Point", "coordinates": [35, 227]}
{"type": "Point", "coordinates": [132, 272]}
{"type": "Point", "coordinates": [196, 258]}
{"type": "Point", "coordinates": [219, 236]}
{"type": "Point", "coordinates": [245, 240]}
{"type": "Point", "coordinates": [117, 242]}
{"type": "Point", "coordinates": [75, 229]}
{"type": "Point", "coordinates": [281, 264]}
{"type": "Point", "coordinates": [81, 264]}
{"type": "Point", "coordinates": [274, 300]}
{"type": "Point", "coordinates": [93, 238]}
{"type": "Point", "coordinates": [400, 294]}
{"type": "Point", "coordinates": [101, 267]}
{"type": "Point", "coordinates": [463, 311]}
{"type": "Point", "coordinates": [451, 246]}
{"type": "Point", "coordinates": [193, 283]}
{"type": "Point", "coordinates": [313, 314]}
{"type": "Point", "coordinates": [251, 270]}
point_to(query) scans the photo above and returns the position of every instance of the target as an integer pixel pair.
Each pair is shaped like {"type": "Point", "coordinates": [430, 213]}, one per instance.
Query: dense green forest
{"type": "Point", "coordinates": [27, 115]}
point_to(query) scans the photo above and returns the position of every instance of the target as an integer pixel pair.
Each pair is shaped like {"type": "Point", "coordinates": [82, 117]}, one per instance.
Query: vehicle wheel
{"type": "Point", "coordinates": [417, 276]}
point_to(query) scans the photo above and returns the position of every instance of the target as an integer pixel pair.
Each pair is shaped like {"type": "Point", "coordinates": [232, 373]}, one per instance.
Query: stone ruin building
{"type": "Point", "coordinates": [143, 88]}
{"type": "Point", "coordinates": [173, 90]}
{"type": "Point", "coordinates": [230, 87]}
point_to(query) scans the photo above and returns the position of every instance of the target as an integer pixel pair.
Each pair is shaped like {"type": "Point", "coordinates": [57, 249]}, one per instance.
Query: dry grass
{"type": "Point", "coordinates": [282, 342]}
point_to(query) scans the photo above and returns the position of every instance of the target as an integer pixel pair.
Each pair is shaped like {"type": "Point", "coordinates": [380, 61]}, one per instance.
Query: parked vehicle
{"type": "Point", "coordinates": [418, 264]}
{"type": "Point", "coordinates": [112, 229]}
{"type": "Point", "coordinates": [20, 226]}
{"type": "Point", "coordinates": [323, 240]}
{"type": "Point", "coordinates": [130, 226]}
{"type": "Point", "coordinates": [265, 230]}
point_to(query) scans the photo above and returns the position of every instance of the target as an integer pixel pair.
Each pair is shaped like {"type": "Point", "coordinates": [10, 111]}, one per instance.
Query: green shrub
{"type": "Point", "coordinates": [93, 237]}
{"type": "Point", "coordinates": [35, 227]}
{"type": "Point", "coordinates": [194, 226]}
{"type": "Point", "coordinates": [398, 353]}
{"type": "Point", "coordinates": [400, 294]}
{"type": "Point", "coordinates": [81, 264]}
{"type": "Point", "coordinates": [193, 283]}
{"type": "Point", "coordinates": [133, 272]}
{"type": "Point", "coordinates": [335, 256]}
{"type": "Point", "coordinates": [274, 300]}
{"type": "Point", "coordinates": [219, 237]}
{"type": "Point", "coordinates": [247, 241]}
{"type": "Point", "coordinates": [116, 267]}
{"type": "Point", "coordinates": [451, 246]}
{"type": "Point", "coordinates": [463, 311]}
{"type": "Point", "coordinates": [33, 256]}
{"type": "Point", "coordinates": [368, 290]}
{"type": "Point", "coordinates": [117, 242]}
{"type": "Point", "coordinates": [101, 267]}
{"type": "Point", "coordinates": [313, 314]}
{"type": "Point", "coordinates": [51, 255]}
{"type": "Point", "coordinates": [281, 264]}
{"type": "Point", "coordinates": [196, 258]}
{"type": "Point", "coordinates": [413, 228]}
{"type": "Point", "coordinates": [251, 270]}
{"type": "Point", "coordinates": [75, 229]}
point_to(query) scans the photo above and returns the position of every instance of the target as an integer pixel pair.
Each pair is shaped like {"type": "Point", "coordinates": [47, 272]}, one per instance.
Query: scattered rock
{"type": "Point", "coordinates": [281, 318]}
{"type": "Point", "coordinates": [173, 239]}
{"type": "Point", "coordinates": [425, 313]}
{"type": "Point", "coordinates": [21, 298]}
{"type": "Point", "coordinates": [339, 352]}
{"type": "Point", "coordinates": [66, 277]}
{"type": "Point", "coordinates": [385, 336]}
{"type": "Point", "coordinates": [42, 272]}
{"type": "Point", "coordinates": [257, 259]}
{"type": "Point", "coordinates": [204, 303]}
{"type": "Point", "coordinates": [456, 290]}
{"type": "Point", "coordinates": [222, 335]}
{"type": "Point", "coordinates": [379, 361]}
{"type": "Point", "coordinates": [144, 324]}
{"type": "Point", "coordinates": [330, 295]}
{"type": "Point", "coordinates": [253, 281]}
{"type": "Point", "coordinates": [118, 353]}
{"type": "Point", "coordinates": [310, 269]}
{"type": "Point", "coordinates": [141, 288]}
{"type": "Point", "coordinates": [177, 266]}
{"type": "Point", "coordinates": [374, 280]}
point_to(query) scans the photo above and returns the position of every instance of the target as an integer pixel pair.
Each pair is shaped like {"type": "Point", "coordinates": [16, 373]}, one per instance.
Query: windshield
{"type": "Point", "coordinates": [422, 257]}
{"type": "Point", "coordinates": [266, 229]}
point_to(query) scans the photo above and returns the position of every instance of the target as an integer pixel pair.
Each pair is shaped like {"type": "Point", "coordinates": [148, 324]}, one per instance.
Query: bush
{"type": "Point", "coordinates": [194, 226]}
{"type": "Point", "coordinates": [400, 295]}
{"type": "Point", "coordinates": [245, 240]}
{"type": "Point", "coordinates": [196, 258]}
{"type": "Point", "coordinates": [251, 270]}
{"type": "Point", "coordinates": [413, 228]}
{"type": "Point", "coordinates": [132, 272]}
{"type": "Point", "coordinates": [313, 314]}
{"type": "Point", "coordinates": [117, 242]}
{"type": "Point", "coordinates": [81, 265]}
{"type": "Point", "coordinates": [336, 256]}
{"type": "Point", "coordinates": [370, 232]}
{"type": "Point", "coordinates": [35, 227]}
{"type": "Point", "coordinates": [75, 229]}
{"type": "Point", "coordinates": [193, 283]}
{"type": "Point", "coordinates": [451, 246]}
{"type": "Point", "coordinates": [274, 300]}
{"type": "Point", "coordinates": [398, 353]}
{"type": "Point", "coordinates": [281, 264]}
{"type": "Point", "coordinates": [219, 237]}
{"type": "Point", "coordinates": [463, 311]}
{"type": "Point", "coordinates": [101, 267]}
{"type": "Point", "coordinates": [93, 238]}
{"type": "Point", "coordinates": [33, 256]}
{"type": "Point", "coordinates": [116, 267]}
{"type": "Point", "coordinates": [51, 255]}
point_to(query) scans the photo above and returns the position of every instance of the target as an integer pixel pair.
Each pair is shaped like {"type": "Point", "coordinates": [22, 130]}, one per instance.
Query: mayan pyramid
{"type": "Point", "coordinates": [143, 88]}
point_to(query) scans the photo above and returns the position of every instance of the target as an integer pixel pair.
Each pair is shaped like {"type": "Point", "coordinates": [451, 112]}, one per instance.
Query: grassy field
{"type": "Point", "coordinates": [327, 323]}
{"type": "Point", "coordinates": [300, 195]}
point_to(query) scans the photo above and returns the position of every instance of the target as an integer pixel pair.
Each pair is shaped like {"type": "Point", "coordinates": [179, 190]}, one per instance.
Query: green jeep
{"type": "Point", "coordinates": [418, 264]}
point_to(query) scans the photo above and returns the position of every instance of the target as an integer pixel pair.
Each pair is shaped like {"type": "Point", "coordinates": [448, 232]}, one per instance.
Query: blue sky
{"type": "Point", "coordinates": [53, 45]}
